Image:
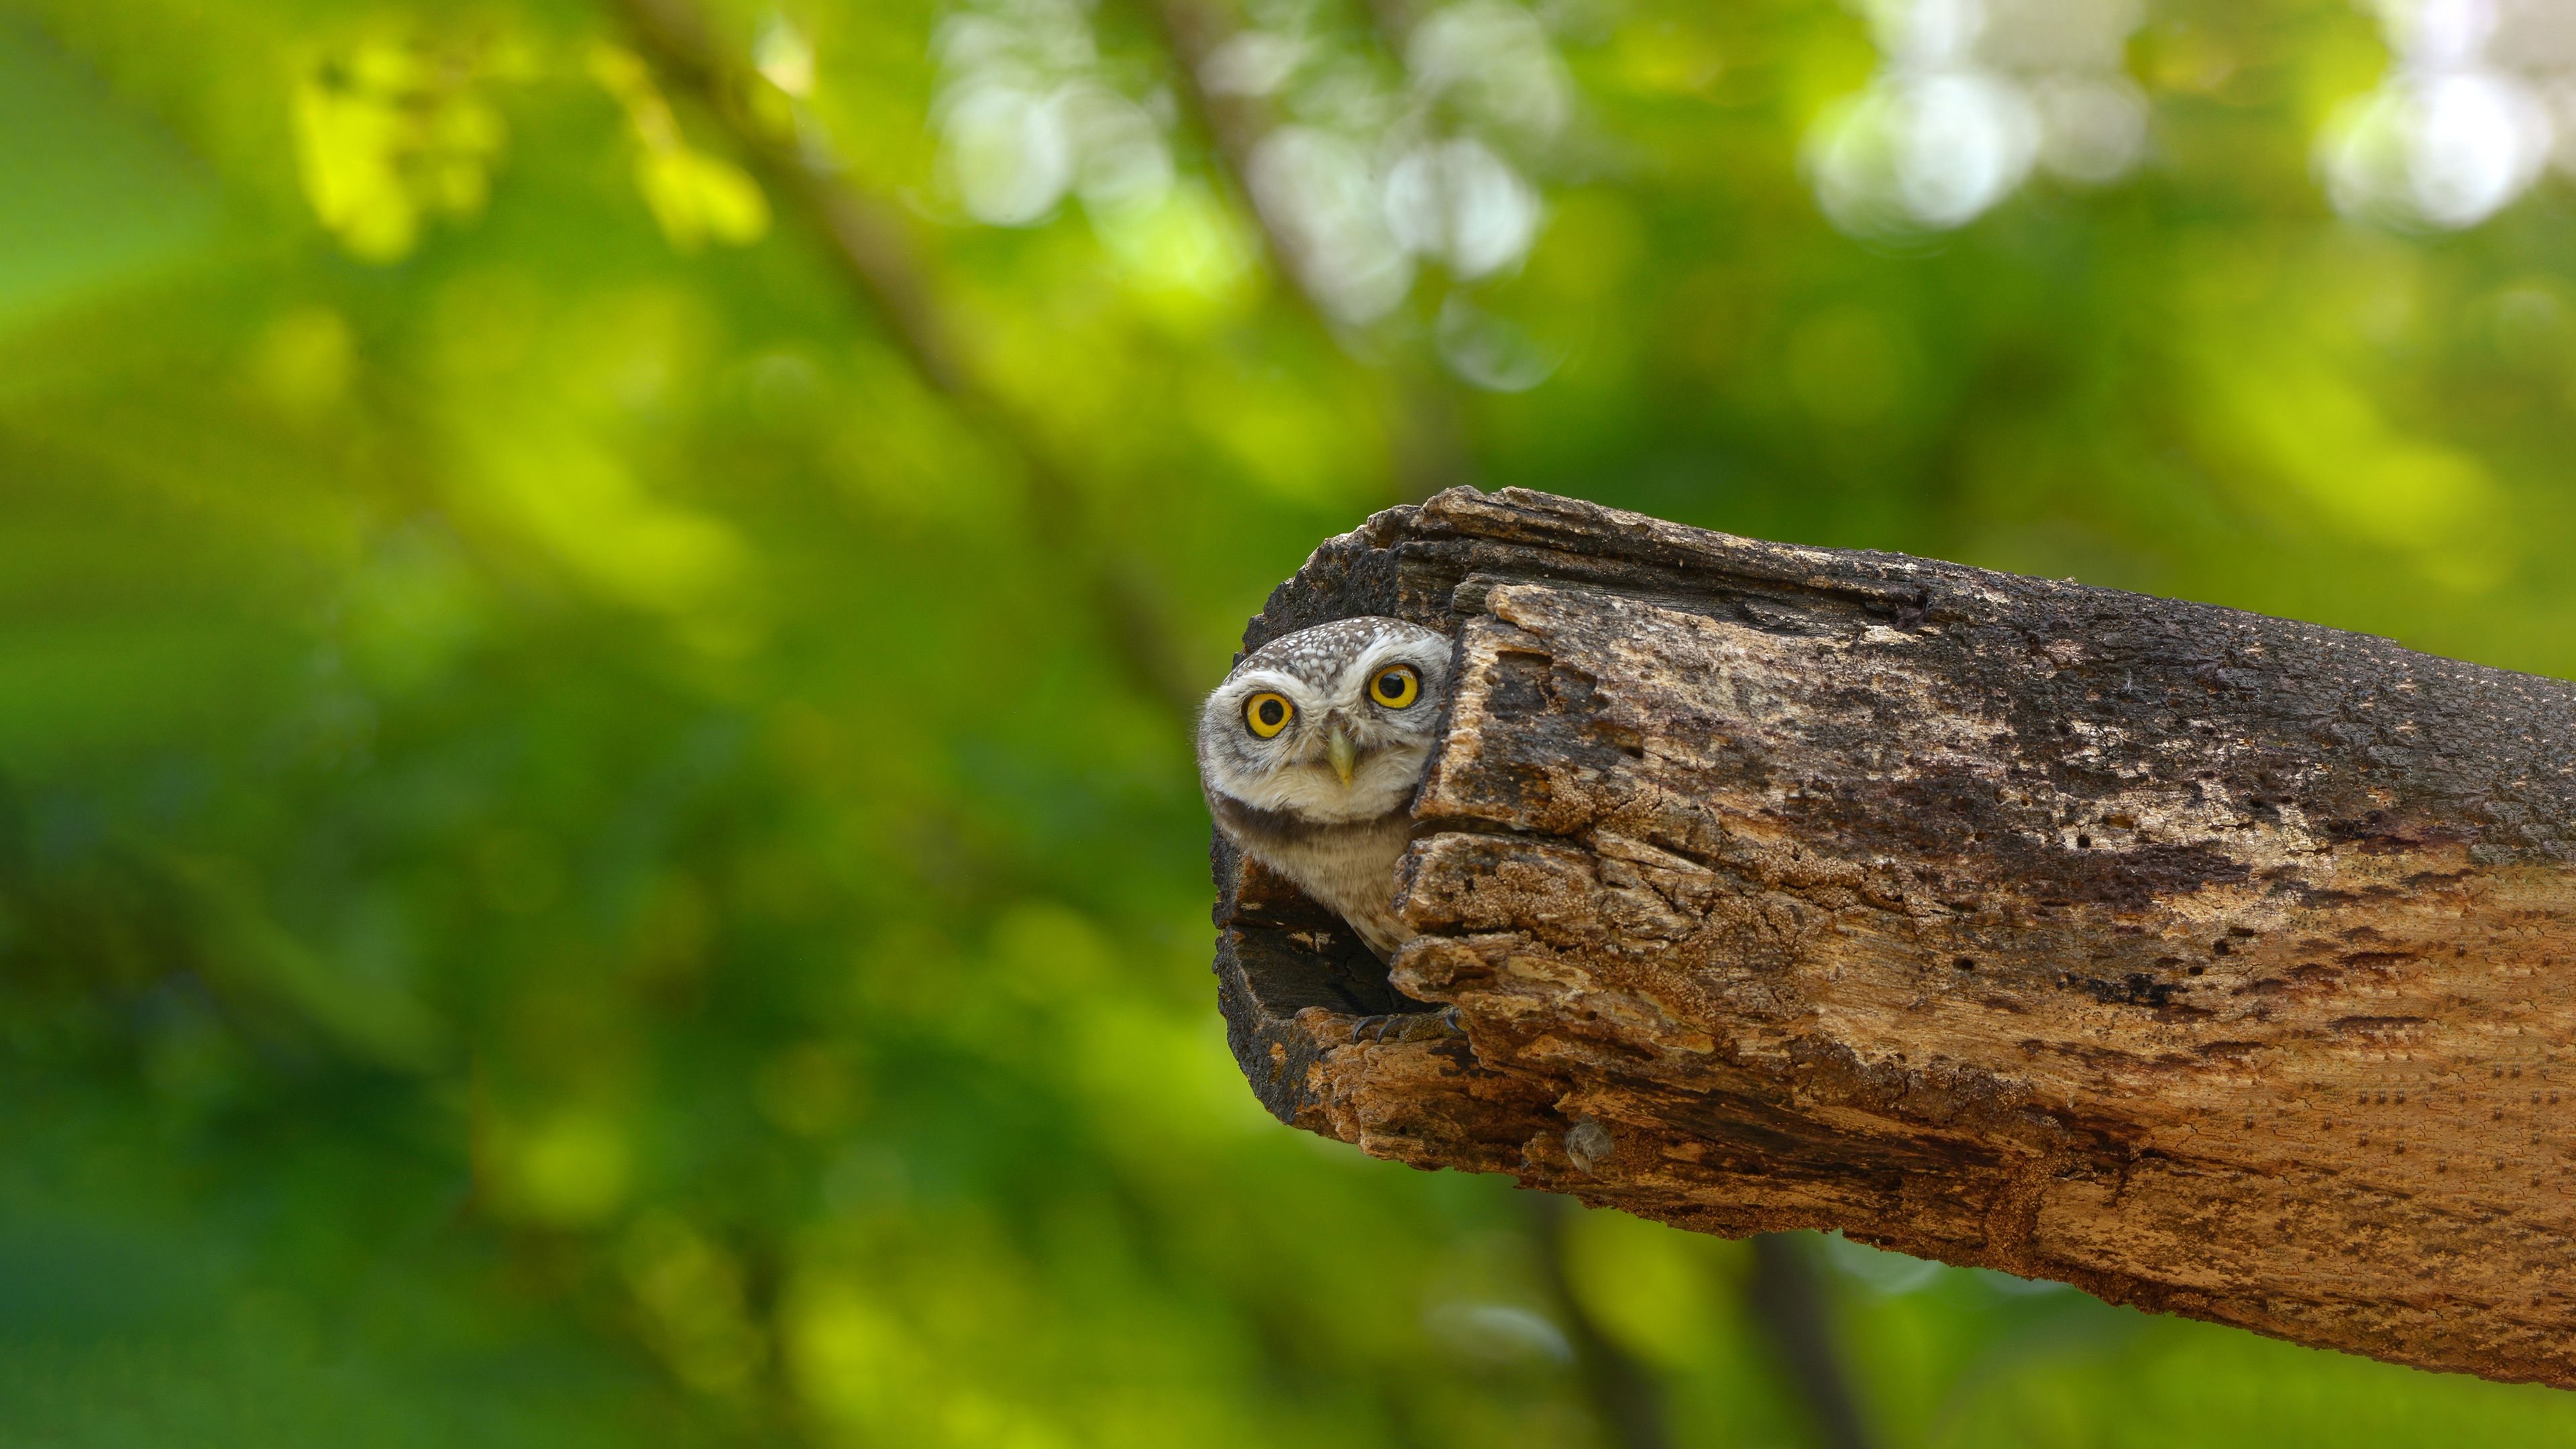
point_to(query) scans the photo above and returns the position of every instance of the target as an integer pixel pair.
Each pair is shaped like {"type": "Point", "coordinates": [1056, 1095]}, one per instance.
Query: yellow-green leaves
{"type": "Point", "coordinates": [696, 196]}
{"type": "Point", "coordinates": [391, 134]}
{"type": "Point", "coordinates": [691, 1293]}
{"type": "Point", "coordinates": [567, 1168]}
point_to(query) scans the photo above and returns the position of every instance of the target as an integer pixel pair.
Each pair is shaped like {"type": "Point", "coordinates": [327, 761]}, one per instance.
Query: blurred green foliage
{"type": "Point", "coordinates": [585, 856]}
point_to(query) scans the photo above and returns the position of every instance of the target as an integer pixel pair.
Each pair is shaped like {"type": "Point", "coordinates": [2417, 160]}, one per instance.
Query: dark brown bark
{"type": "Point", "coordinates": [2209, 962]}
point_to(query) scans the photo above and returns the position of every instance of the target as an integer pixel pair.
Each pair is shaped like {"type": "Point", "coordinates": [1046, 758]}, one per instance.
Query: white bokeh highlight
{"type": "Point", "coordinates": [1379, 177]}
{"type": "Point", "coordinates": [1376, 169]}
{"type": "Point", "coordinates": [2478, 103]}
{"type": "Point", "coordinates": [1972, 97]}
{"type": "Point", "coordinates": [1027, 116]}
{"type": "Point", "coordinates": [1460, 202]}
{"type": "Point", "coordinates": [1321, 192]}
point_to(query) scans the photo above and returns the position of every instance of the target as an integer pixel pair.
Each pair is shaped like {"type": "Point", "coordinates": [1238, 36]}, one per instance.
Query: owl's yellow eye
{"type": "Point", "coordinates": [1396, 686]}
{"type": "Point", "coordinates": [1267, 714]}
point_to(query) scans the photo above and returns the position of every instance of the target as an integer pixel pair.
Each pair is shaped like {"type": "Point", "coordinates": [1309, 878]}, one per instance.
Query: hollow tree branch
{"type": "Point", "coordinates": [2212, 963]}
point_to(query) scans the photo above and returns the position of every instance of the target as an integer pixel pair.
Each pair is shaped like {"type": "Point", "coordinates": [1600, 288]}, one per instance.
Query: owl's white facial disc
{"type": "Point", "coordinates": [1324, 673]}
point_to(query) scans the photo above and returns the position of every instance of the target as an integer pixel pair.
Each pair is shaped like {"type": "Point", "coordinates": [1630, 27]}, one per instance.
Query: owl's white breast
{"type": "Point", "coordinates": [1348, 869]}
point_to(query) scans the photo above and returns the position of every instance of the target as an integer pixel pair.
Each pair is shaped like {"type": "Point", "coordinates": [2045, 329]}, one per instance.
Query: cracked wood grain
{"type": "Point", "coordinates": [2213, 963]}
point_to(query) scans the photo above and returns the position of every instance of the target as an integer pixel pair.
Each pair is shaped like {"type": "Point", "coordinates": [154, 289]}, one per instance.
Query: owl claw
{"type": "Point", "coordinates": [1410, 1026]}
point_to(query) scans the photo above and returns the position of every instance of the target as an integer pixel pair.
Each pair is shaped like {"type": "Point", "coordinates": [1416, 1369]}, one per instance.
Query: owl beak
{"type": "Point", "coordinates": [1344, 755]}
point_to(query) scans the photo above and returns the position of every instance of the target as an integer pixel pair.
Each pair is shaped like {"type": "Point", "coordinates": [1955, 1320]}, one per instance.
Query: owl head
{"type": "Point", "coordinates": [1330, 724]}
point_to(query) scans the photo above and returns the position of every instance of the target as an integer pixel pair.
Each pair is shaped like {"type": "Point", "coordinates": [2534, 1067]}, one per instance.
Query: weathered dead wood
{"type": "Point", "coordinates": [2213, 963]}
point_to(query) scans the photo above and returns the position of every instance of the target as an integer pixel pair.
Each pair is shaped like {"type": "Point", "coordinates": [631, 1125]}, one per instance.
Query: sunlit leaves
{"type": "Point", "coordinates": [695, 195]}
{"type": "Point", "coordinates": [565, 1168]}
{"type": "Point", "coordinates": [545, 464]}
{"type": "Point", "coordinates": [691, 1294]}
{"type": "Point", "coordinates": [391, 134]}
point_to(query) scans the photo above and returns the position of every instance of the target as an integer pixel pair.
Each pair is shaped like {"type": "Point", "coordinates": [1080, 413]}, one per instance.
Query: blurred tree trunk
{"type": "Point", "coordinates": [866, 237]}
{"type": "Point", "coordinates": [1787, 1297]}
{"type": "Point", "coordinates": [2209, 962]}
{"type": "Point", "coordinates": [1623, 1393]}
{"type": "Point", "coordinates": [1427, 447]}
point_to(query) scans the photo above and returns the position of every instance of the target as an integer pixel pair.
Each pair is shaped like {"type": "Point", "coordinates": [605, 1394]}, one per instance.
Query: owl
{"type": "Point", "coordinates": [1310, 752]}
